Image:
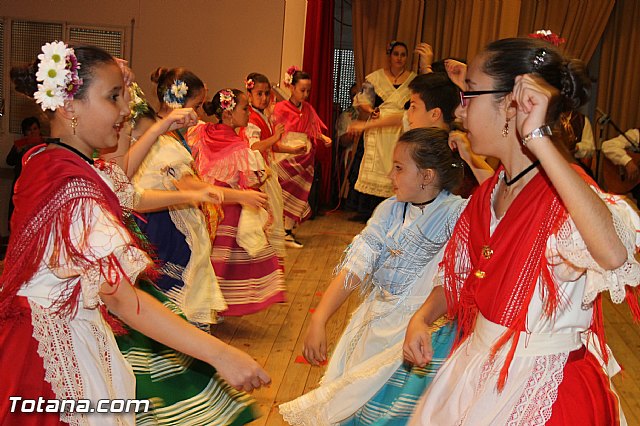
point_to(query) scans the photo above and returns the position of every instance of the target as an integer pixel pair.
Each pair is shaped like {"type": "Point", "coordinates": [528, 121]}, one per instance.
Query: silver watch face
{"type": "Point", "coordinates": [541, 131]}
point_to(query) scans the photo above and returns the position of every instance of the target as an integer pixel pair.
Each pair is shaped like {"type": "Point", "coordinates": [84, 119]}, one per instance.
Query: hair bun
{"type": "Point", "coordinates": [159, 74]}
{"type": "Point", "coordinates": [209, 108]}
{"type": "Point", "coordinates": [24, 79]}
{"type": "Point", "coordinates": [575, 83]}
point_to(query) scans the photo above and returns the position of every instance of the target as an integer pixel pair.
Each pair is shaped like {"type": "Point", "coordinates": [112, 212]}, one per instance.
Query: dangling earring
{"type": "Point", "coordinates": [74, 124]}
{"type": "Point", "coordinates": [505, 129]}
{"type": "Point", "coordinates": [422, 186]}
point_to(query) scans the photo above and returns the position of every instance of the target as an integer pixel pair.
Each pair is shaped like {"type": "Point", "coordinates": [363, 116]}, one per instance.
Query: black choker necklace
{"type": "Point", "coordinates": [58, 142]}
{"type": "Point", "coordinates": [521, 174]}
{"type": "Point", "coordinates": [421, 205]}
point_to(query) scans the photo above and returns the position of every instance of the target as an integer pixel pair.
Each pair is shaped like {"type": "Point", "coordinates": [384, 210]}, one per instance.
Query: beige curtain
{"type": "Point", "coordinates": [618, 83]}
{"type": "Point", "coordinates": [580, 22]}
{"type": "Point", "coordinates": [461, 28]}
{"type": "Point", "coordinates": [376, 23]}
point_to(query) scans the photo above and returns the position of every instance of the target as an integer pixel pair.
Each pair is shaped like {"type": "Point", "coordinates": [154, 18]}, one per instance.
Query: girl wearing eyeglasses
{"type": "Point", "coordinates": [528, 259]}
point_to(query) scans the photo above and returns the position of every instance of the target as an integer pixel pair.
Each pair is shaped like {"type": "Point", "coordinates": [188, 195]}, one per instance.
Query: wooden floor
{"type": "Point", "coordinates": [274, 337]}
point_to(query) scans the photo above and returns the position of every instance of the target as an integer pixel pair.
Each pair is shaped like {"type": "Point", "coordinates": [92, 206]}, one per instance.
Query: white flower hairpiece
{"type": "Point", "coordinates": [175, 95]}
{"type": "Point", "coordinates": [138, 104]}
{"type": "Point", "coordinates": [57, 75]}
{"type": "Point", "coordinates": [227, 100]}
{"type": "Point", "coordinates": [288, 76]}
{"type": "Point", "coordinates": [249, 84]}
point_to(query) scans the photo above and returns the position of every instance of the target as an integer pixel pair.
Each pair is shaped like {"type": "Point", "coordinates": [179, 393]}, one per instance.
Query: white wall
{"type": "Point", "coordinates": [220, 40]}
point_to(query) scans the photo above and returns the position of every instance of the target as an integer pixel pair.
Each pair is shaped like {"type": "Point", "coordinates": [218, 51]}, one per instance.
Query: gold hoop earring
{"type": "Point", "coordinates": [74, 124]}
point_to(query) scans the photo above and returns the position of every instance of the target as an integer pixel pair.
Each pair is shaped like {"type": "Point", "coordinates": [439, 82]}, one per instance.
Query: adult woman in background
{"type": "Point", "coordinates": [384, 93]}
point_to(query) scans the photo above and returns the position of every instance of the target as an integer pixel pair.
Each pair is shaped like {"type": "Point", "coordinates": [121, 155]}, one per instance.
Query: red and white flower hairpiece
{"type": "Point", "coordinates": [288, 76]}
{"type": "Point", "coordinates": [227, 100]}
{"type": "Point", "coordinates": [549, 36]}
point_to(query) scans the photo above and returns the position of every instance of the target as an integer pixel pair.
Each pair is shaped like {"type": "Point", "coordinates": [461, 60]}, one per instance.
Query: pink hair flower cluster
{"type": "Point", "coordinates": [249, 83]}
{"type": "Point", "coordinates": [549, 36]}
{"type": "Point", "coordinates": [288, 76]}
{"type": "Point", "coordinates": [57, 75]}
{"type": "Point", "coordinates": [227, 100]}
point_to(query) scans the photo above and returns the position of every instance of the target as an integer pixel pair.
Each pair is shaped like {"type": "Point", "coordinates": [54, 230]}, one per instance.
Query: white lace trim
{"type": "Point", "coordinates": [132, 261]}
{"type": "Point", "coordinates": [309, 409]}
{"type": "Point", "coordinates": [104, 357]}
{"type": "Point", "coordinates": [572, 247]}
{"type": "Point", "coordinates": [55, 347]}
{"type": "Point", "coordinates": [540, 393]}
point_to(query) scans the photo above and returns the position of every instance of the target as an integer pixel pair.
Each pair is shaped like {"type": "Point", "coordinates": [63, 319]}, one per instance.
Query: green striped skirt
{"type": "Point", "coordinates": [182, 390]}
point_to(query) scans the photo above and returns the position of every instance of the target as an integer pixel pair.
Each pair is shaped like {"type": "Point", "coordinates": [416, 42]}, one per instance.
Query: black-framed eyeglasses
{"type": "Point", "coordinates": [472, 94]}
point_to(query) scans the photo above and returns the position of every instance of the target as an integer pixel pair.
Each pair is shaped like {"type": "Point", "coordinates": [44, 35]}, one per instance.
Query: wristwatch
{"type": "Point", "coordinates": [537, 133]}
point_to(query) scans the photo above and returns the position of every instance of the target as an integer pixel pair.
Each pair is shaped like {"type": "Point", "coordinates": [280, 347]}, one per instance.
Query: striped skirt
{"type": "Point", "coordinates": [295, 174]}
{"type": "Point", "coordinates": [394, 403]}
{"type": "Point", "coordinates": [249, 283]}
{"type": "Point", "coordinates": [182, 390]}
{"type": "Point", "coordinates": [378, 390]}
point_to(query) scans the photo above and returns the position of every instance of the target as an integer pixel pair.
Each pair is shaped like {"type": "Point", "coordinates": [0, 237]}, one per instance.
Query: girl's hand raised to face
{"type": "Point", "coordinates": [459, 141]}
{"type": "Point", "coordinates": [532, 96]}
{"type": "Point", "coordinates": [179, 118]}
{"type": "Point", "coordinates": [457, 72]}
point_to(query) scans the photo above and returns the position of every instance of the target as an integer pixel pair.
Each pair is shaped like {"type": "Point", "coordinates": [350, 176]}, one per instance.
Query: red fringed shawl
{"type": "Point", "coordinates": [303, 120]}
{"type": "Point", "coordinates": [53, 183]}
{"type": "Point", "coordinates": [497, 275]}
{"type": "Point", "coordinates": [265, 131]}
{"type": "Point", "coordinates": [221, 155]}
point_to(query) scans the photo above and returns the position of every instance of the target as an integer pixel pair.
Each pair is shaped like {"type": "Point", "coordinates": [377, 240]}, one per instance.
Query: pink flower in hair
{"type": "Point", "coordinates": [227, 100]}
{"type": "Point", "coordinates": [249, 83]}
{"type": "Point", "coordinates": [288, 76]}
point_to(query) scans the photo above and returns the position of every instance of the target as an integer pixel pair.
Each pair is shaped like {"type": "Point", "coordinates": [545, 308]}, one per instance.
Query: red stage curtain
{"type": "Point", "coordinates": [318, 62]}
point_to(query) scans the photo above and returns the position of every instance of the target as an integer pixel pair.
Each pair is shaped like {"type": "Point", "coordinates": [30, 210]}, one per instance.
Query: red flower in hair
{"type": "Point", "coordinates": [549, 36]}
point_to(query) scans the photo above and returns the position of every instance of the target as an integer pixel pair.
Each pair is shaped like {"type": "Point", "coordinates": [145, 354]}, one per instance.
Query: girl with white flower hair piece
{"type": "Point", "coordinates": [71, 258]}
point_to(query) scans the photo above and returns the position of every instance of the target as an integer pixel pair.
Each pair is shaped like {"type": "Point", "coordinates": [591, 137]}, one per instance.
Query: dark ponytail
{"type": "Point", "coordinates": [430, 150]}
{"type": "Point", "coordinates": [165, 77]}
{"type": "Point", "coordinates": [511, 57]}
{"type": "Point", "coordinates": [299, 75]}
{"type": "Point", "coordinates": [214, 106]}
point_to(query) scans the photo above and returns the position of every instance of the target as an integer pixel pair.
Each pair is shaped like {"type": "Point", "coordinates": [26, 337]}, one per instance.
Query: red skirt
{"type": "Point", "coordinates": [22, 370]}
{"type": "Point", "coordinates": [585, 397]}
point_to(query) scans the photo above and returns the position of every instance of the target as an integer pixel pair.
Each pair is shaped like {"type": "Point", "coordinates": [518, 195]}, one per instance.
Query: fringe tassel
{"type": "Point", "coordinates": [116, 325]}
{"type": "Point", "coordinates": [504, 371]}
{"type": "Point", "coordinates": [632, 301]}
{"type": "Point", "coordinates": [597, 327]}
